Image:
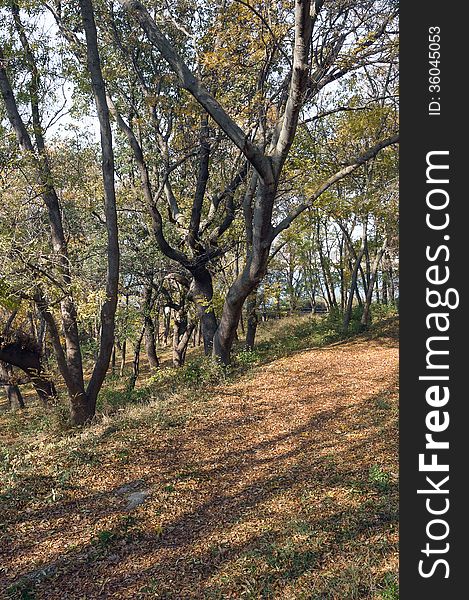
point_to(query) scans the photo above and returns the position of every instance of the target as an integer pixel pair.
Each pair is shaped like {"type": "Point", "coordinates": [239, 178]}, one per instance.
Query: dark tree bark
{"type": "Point", "coordinates": [353, 283]}
{"type": "Point", "coordinates": [108, 310]}
{"type": "Point", "coordinates": [384, 286]}
{"type": "Point", "coordinates": [392, 291]}
{"type": "Point", "coordinates": [136, 361]}
{"type": "Point", "coordinates": [325, 270]}
{"type": "Point", "coordinates": [150, 344]}
{"type": "Point", "coordinates": [252, 320]}
{"type": "Point", "coordinates": [12, 391]}
{"type": "Point", "coordinates": [167, 326]}
{"type": "Point", "coordinates": [182, 331]}
{"type": "Point", "coordinates": [202, 294]}
{"type": "Point", "coordinates": [149, 327]}
{"type": "Point", "coordinates": [25, 355]}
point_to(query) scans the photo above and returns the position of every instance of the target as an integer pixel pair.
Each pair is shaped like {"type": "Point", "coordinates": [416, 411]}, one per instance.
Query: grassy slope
{"type": "Point", "coordinates": [276, 480]}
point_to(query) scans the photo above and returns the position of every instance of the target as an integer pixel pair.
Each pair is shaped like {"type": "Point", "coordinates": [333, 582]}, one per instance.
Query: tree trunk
{"type": "Point", "coordinates": [167, 324]}
{"type": "Point", "coordinates": [14, 397]}
{"type": "Point", "coordinates": [251, 275]}
{"type": "Point", "coordinates": [123, 358]}
{"type": "Point", "coordinates": [392, 291]}
{"type": "Point", "coordinates": [12, 391]}
{"type": "Point", "coordinates": [182, 332]}
{"type": "Point", "coordinates": [384, 286]}
{"type": "Point", "coordinates": [325, 273]}
{"type": "Point", "coordinates": [136, 362]}
{"type": "Point", "coordinates": [353, 287]}
{"type": "Point", "coordinates": [252, 320]}
{"type": "Point", "coordinates": [225, 335]}
{"type": "Point", "coordinates": [365, 320]}
{"type": "Point", "coordinates": [150, 344]}
{"type": "Point", "coordinates": [108, 310]}
{"type": "Point", "coordinates": [202, 294]}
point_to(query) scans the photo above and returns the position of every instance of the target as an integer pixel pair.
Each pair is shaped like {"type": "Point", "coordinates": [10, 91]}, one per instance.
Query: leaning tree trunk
{"type": "Point", "coordinates": [251, 275]}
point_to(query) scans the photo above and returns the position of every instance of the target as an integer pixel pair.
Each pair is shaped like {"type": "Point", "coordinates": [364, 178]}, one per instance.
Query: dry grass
{"type": "Point", "coordinates": [279, 484]}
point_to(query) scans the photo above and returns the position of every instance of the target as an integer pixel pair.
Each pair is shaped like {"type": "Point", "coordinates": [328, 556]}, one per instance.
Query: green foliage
{"type": "Point", "coordinates": [247, 358]}
{"type": "Point", "coordinates": [111, 399]}
{"type": "Point", "coordinates": [202, 371]}
{"type": "Point", "coordinates": [379, 478]}
{"type": "Point", "coordinates": [390, 589]}
{"type": "Point", "coordinates": [104, 538]}
{"type": "Point", "coordinates": [8, 299]}
{"type": "Point", "coordinates": [380, 311]}
{"type": "Point", "coordinates": [335, 320]}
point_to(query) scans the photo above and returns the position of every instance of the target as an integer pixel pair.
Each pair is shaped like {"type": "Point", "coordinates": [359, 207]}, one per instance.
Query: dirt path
{"type": "Point", "coordinates": [282, 485]}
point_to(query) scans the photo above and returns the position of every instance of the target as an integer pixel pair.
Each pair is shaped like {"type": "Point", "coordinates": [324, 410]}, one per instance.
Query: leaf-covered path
{"type": "Point", "coordinates": [281, 485]}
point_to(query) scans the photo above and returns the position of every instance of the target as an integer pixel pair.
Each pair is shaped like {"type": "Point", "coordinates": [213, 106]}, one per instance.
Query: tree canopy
{"type": "Point", "coordinates": [179, 167]}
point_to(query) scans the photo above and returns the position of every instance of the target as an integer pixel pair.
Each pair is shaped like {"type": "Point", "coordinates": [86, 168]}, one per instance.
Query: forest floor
{"type": "Point", "coordinates": [277, 482]}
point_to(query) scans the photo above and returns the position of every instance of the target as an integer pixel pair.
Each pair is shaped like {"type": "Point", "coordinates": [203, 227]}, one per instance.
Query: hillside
{"type": "Point", "coordinates": [278, 482]}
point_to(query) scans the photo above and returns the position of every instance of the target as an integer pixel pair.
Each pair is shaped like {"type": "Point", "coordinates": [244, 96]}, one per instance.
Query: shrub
{"type": "Point", "coordinates": [204, 370]}
{"type": "Point", "coordinates": [247, 358]}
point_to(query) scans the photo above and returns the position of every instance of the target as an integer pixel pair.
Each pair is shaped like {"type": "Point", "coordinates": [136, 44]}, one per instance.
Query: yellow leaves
{"type": "Point", "coordinates": [88, 306]}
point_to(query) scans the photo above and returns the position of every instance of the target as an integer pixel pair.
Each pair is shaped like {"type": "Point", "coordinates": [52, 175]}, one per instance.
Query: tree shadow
{"type": "Point", "coordinates": [187, 552]}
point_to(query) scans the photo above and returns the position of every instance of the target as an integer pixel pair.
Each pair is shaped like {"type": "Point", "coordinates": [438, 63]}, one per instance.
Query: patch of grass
{"type": "Point", "coordinates": [111, 399]}
{"type": "Point", "coordinates": [292, 334]}
{"type": "Point", "coordinates": [247, 358]}
{"type": "Point", "coordinates": [21, 591]}
{"type": "Point", "coordinates": [350, 583]}
{"type": "Point", "coordinates": [289, 560]}
{"type": "Point", "coordinates": [104, 538]}
{"type": "Point", "coordinates": [379, 478]}
{"type": "Point", "coordinates": [83, 456]}
{"type": "Point", "coordinates": [382, 404]}
{"type": "Point", "coordinates": [390, 587]}
{"type": "Point", "coordinates": [203, 371]}
{"type": "Point", "coordinates": [35, 420]}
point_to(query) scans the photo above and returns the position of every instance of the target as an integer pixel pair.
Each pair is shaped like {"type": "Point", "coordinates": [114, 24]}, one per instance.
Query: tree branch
{"type": "Point", "coordinates": [195, 87]}
{"type": "Point", "coordinates": [352, 166]}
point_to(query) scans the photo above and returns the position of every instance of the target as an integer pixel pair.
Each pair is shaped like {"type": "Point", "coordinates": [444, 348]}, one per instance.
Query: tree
{"type": "Point", "coordinates": [68, 354]}
{"type": "Point", "coordinates": [303, 81]}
